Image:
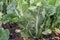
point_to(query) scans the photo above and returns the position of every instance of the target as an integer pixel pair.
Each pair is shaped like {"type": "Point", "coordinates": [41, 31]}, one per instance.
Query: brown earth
{"type": "Point", "coordinates": [17, 36]}
{"type": "Point", "coordinates": [13, 35]}
{"type": "Point", "coordinates": [52, 36]}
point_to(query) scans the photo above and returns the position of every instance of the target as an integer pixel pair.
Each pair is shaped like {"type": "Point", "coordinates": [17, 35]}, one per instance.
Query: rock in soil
{"type": "Point", "coordinates": [12, 27]}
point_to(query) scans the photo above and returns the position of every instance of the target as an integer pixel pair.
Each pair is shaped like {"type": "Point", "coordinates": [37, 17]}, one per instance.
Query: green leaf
{"type": "Point", "coordinates": [52, 2]}
{"type": "Point", "coordinates": [8, 17]}
{"type": "Point", "coordinates": [4, 34]}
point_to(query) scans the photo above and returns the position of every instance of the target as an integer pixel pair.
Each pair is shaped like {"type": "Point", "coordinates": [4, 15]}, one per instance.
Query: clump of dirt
{"type": "Point", "coordinates": [12, 27]}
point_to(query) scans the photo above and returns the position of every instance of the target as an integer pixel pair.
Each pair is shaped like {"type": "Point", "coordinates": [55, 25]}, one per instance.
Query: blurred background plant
{"type": "Point", "coordinates": [35, 17]}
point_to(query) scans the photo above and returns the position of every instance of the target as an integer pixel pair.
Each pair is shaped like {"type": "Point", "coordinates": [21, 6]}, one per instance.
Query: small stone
{"type": "Point", "coordinates": [17, 30]}
{"type": "Point", "coordinates": [56, 33]}
{"type": "Point", "coordinates": [25, 38]}
{"type": "Point", "coordinates": [43, 39]}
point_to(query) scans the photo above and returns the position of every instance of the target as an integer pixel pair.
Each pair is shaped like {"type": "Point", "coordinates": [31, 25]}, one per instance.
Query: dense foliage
{"type": "Point", "coordinates": [35, 17]}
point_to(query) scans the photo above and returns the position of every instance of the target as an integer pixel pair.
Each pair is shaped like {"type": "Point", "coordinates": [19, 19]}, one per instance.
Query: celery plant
{"type": "Point", "coordinates": [35, 17]}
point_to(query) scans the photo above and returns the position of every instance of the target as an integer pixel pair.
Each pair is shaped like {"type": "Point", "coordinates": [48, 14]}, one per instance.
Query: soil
{"type": "Point", "coordinates": [17, 36]}
{"type": "Point", "coordinates": [12, 27]}
{"type": "Point", "coordinates": [52, 36]}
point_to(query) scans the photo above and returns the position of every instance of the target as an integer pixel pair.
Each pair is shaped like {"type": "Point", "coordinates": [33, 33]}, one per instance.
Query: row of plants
{"type": "Point", "coordinates": [35, 17]}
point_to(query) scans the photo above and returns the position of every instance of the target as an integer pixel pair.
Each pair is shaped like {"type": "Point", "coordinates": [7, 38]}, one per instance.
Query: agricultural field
{"type": "Point", "coordinates": [29, 19]}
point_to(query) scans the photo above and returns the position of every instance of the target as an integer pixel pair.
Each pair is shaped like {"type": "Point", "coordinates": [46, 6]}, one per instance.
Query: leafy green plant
{"type": "Point", "coordinates": [34, 16]}
{"type": "Point", "coordinates": [4, 34]}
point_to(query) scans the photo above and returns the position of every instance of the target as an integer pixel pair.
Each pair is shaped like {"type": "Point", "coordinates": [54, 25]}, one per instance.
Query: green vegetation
{"type": "Point", "coordinates": [35, 17]}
